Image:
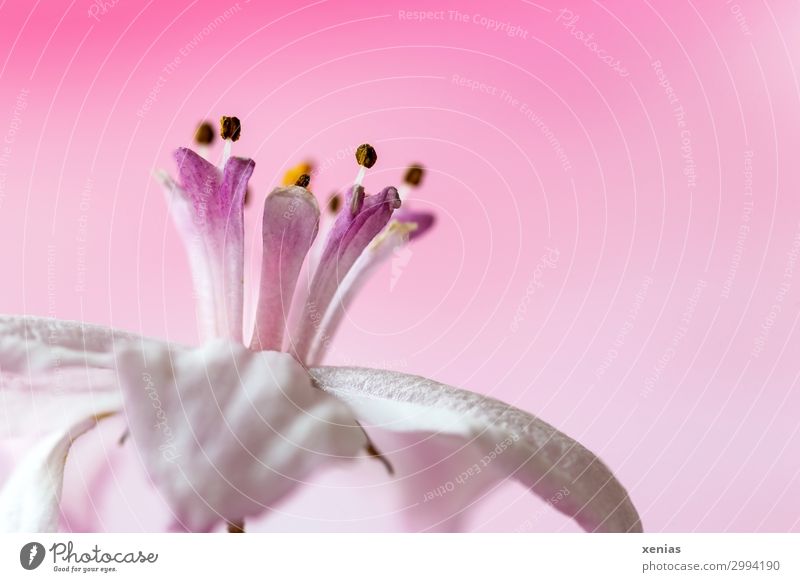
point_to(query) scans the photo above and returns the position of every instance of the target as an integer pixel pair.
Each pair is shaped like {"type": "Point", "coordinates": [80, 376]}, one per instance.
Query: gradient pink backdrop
{"type": "Point", "coordinates": [647, 334]}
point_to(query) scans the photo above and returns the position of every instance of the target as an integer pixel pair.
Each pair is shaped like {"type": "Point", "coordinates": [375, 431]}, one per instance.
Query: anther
{"type": "Point", "coordinates": [292, 174]}
{"type": "Point", "coordinates": [230, 128]}
{"type": "Point", "coordinates": [412, 179]}
{"type": "Point", "coordinates": [334, 203]}
{"type": "Point", "coordinates": [414, 175]}
{"type": "Point", "coordinates": [366, 155]}
{"type": "Point", "coordinates": [204, 135]}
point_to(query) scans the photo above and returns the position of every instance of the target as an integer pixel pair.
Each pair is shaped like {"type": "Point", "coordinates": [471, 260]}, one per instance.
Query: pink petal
{"type": "Point", "coordinates": [291, 220]}
{"type": "Point", "coordinates": [404, 227]}
{"type": "Point", "coordinates": [350, 235]}
{"type": "Point", "coordinates": [516, 443]}
{"type": "Point", "coordinates": [30, 497]}
{"type": "Point", "coordinates": [182, 212]}
{"type": "Point", "coordinates": [225, 432]}
{"type": "Point", "coordinates": [211, 222]}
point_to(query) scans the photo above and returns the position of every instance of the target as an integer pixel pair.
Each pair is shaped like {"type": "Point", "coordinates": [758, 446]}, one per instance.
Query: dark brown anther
{"type": "Point", "coordinates": [414, 175]}
{"type": "Point", "coordinates": [366, 155]}
{"type": "Point", "coordinates": [303, 181]}
{"type": "Point", "coordinates": [236, 526]}
{"type": "Point", "coordinates": [204, 134]}
{"type": "Point", "coordinates": [334, 203]}
{"type": "Point", "coordinates": [230, 128]}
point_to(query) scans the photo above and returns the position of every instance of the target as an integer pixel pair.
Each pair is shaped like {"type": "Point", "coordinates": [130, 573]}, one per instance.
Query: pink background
{"type": "Point", "coordinates": [648, 334]}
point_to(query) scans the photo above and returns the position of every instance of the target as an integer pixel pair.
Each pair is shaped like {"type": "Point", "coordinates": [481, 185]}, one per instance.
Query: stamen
{"type": "Point", "coordinates": [230, 130]}
{"type": "Point", "coordinates": [236, 526]}
{"type": "Point", "coordinates": [303, 181]}
{"type": "Point", "coordinates": [412, 179]}
{"type": "Point", "coordinates": [334, 203]}
{"type": "Point", "coordinates": [366, 156]}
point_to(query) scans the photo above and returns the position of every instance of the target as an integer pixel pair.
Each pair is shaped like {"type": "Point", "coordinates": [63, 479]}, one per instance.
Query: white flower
{"type": "Point", "coordinates": [225, 430]}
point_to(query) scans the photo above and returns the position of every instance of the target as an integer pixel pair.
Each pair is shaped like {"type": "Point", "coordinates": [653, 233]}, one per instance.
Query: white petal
{"type": "Point", "coordinates": [54, 374]}
{"type": "Point", "coordinates": [502, 441]}
{"type": "Point", "coordinates": [41, 344]}
{"type": "Point", "coordinates": [39, 403]}
{"type": "Point", "coordinates": [225, 432]}
{"type": "Point", "coordinates": [30, 497]}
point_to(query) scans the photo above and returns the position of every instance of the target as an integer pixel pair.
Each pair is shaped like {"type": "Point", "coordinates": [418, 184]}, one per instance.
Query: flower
{"type": "Point", "coordinates": [225, 430]}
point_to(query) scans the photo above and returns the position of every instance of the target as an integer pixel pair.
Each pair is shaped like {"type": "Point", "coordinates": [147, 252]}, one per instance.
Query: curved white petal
{"type": "Point", "coordinates": [29, 498]}
{"type": "Point", "coordinates": [501, 440]}
{"type": "Point", "coordinates": [225, 432]}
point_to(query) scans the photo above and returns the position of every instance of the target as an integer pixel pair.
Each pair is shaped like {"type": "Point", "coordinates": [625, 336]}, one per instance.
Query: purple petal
{"type": "Point", "coordinates": [225, 432]}
{"type": "Point", "coordinates": [211, 223]}
{"type": "Point", "coordinates": [350, 235]}
{"type": "Point", "coordinates": [404, 227]}
{"type": "Point", "coordinates": [502, 441]}
{"type": "Point", "coordinates": [291, 221]}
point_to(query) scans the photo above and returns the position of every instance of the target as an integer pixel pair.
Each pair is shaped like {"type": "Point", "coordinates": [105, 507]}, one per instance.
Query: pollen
{"type": "Point", "coordinates": [334, 203]}
{"type": "Point", "coordinates": [204, 135]}
{"type": "Point", "coordinates": [366, 155]}
{"type": "Point", "coordinates": [414, 175]}
{"type": "Point", "coordinates": [230, 128]}
{"type": "Point", "coordinates": [293, 174]}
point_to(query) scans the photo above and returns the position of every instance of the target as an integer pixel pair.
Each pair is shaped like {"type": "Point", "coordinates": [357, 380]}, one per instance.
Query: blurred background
{"type": "Point", "coordinates": [618, 219]}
